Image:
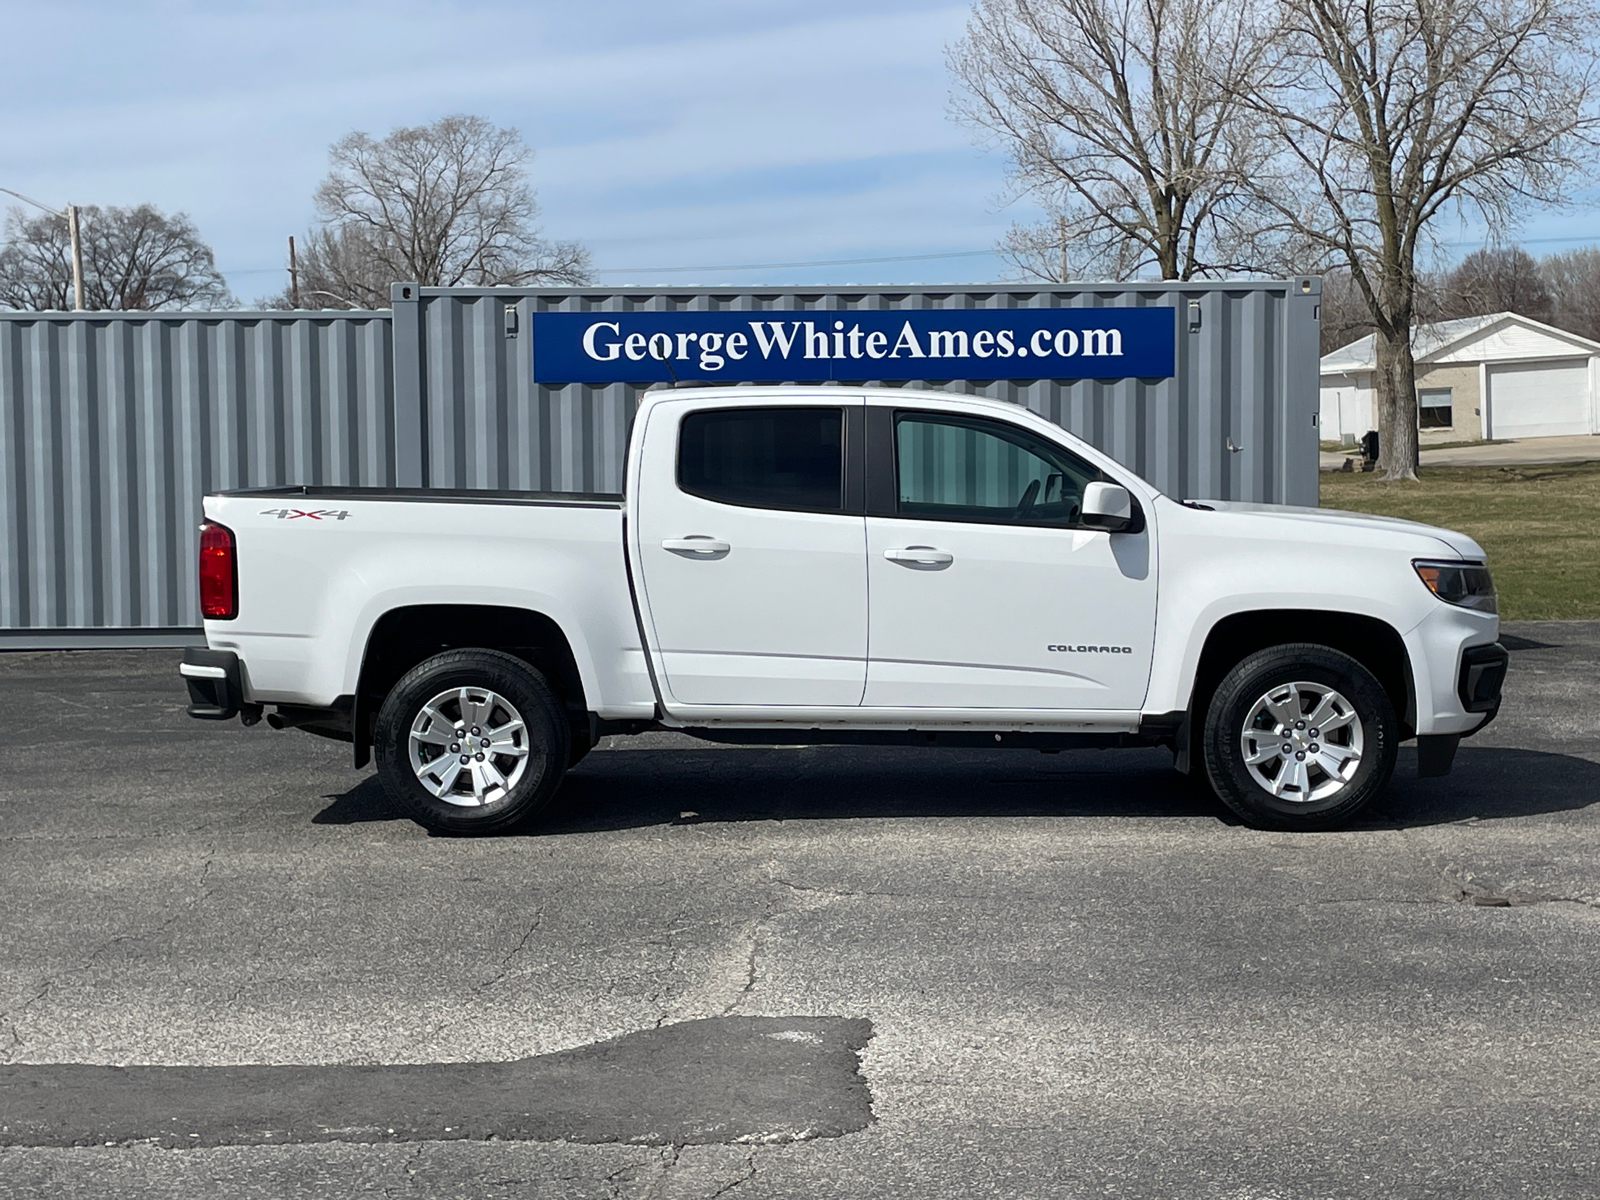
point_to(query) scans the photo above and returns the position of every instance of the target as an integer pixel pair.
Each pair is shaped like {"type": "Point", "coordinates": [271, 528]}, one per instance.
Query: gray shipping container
{"type": "Point", "coordinates": [113, 425]}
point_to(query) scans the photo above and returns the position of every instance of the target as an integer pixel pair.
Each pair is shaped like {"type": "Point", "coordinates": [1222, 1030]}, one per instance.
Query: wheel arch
{"type": "Point", "coordinates": [1371, 641]}
{"type": "Point", "coordinates": [403, 637]}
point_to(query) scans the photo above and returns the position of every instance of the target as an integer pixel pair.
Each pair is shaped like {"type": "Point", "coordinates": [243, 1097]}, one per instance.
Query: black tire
{"type": "Point", "coordinates": [546, 742]}
{"type": "Point", "coordinates": [1301, 804]}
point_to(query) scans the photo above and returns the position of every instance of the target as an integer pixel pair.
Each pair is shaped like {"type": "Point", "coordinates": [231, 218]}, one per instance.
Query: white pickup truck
{"type": "Point", "coordinates": [826, 564]}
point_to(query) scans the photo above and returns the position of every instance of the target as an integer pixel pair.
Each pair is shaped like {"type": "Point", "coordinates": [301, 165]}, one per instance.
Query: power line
{"type": "Point", "coordinates": [895, 258]}
{"type": "Point", "coordinates": [1577, 237]}
{"type": "Point", "coordinates": [831, 262]}
{"type": "Point", "coordinates": [71, 214]}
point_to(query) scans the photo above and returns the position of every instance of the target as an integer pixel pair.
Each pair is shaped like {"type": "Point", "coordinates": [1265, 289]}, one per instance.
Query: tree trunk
{"type": "Point", "coordinates": [1395, 379]}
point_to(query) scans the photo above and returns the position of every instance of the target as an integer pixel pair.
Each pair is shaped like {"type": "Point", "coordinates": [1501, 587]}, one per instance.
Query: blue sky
{"type": "Point", "coordinates": [673, 134]}
{"type": "Point", "coordinates": [698, 134]}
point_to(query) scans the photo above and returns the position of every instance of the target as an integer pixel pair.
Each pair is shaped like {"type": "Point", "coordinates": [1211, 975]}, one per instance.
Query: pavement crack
{"type": "Point", "coordinates": [757, 935]}
{"type": "Point", "coordinates": [8, 1020]}
{"type": "Point", "coordinates": [749, 1174]}
{"type": "Point", "coordinates": [409, 1166]}
{"type": "Point", "coordinates": [817, 890]}
{"type": "Point", "coordinates": [505, 963]}
{"type": "Point", "coordinates": [751, 973]}
{"type": "Point", "coordinates": [760, 930]}
{"type": "Point", "coordinates": [1372, 900]}
{"type": "Point", "coordinates": [669, 1159]}
{"type": "Point", "coordinates": [1465, 887]}
{"type": "Point", "coordinates": [177, 912]}
{"type": "Point", "coordinates": [619, 1182]}
{"type": "Point", "coordinates": [671, 943]}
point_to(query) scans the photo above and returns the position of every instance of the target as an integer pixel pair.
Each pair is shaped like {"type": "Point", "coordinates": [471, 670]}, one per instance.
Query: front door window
{"type": "Point", "coordinates": [951, 468]}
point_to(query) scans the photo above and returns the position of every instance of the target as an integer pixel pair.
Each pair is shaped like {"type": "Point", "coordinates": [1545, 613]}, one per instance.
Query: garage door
{"type": "Point", "coordinates": [1545, 399]}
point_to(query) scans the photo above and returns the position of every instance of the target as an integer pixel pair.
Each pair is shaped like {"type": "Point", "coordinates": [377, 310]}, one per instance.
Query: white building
{"type": "Point", "coordinates": [1497, 376]}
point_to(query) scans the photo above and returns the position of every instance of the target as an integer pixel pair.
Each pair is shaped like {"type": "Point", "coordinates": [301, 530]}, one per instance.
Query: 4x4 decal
{"type": "Point", "coordinates": [315, 514]}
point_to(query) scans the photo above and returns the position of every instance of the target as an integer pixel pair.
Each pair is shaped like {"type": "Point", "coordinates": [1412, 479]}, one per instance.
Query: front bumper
{"type": "Point", "coordinates": [216, 688]}
{"type": "Point", "coordinates": [1437, 647]}
{"type": "Point", "coordinates": [1481, 676]}
{"type": "Point", "coordinates": [1479, 679]}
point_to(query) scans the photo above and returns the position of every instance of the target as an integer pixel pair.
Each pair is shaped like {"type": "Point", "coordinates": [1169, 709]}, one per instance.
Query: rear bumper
{"type": "Point", "coordinates": [216, 689]}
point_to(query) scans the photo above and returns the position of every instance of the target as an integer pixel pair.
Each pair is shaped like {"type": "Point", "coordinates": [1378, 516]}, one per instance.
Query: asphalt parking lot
{"type": "Point", "coordinates": [793, 972]}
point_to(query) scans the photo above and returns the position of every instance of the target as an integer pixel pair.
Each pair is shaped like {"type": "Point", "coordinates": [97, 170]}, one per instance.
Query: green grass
{"type": "Point", "coordinates": [1425, 446]}
{"type": "Point", "coordinates": [1540, 526]}
{"type": "Point", "coordinates": [1355, 451]}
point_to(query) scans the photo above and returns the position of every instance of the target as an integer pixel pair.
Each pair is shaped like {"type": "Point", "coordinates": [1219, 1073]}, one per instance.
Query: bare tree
{"type": "Point", "coordinates": [1390, 111]}
{"type": "Point", "coordinates": [339, 267]}
{"type": "Point", "coordinates": [1504, 279]}
{"type": "Point", "coordinates": [442, 205]}
{"type": "Point", "coordinates": [1573, 277]}
{"type": "Point", "coordinates": [1123, 117]}
{"type": "Point", "coordinates": [133, 259]}
{"type": "Point", "coordinates": [1344, 313]}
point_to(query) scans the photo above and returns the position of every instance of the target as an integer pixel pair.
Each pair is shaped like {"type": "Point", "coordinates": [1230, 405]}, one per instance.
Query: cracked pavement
{"type": "Point", "coordinates": [1082, 980]}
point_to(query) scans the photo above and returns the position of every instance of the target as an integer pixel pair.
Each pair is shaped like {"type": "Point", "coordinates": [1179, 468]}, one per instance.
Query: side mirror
{"type": "Point", "coordinates": [1107, 506]}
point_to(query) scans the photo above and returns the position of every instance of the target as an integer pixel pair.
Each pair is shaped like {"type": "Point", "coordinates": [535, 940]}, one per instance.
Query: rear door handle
{"type": "Point", "coordinates": [919, 556]}
{"type": "Point", "coordinates": [696, 546]}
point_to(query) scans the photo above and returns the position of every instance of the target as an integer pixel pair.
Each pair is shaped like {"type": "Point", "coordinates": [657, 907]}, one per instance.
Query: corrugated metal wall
{"type": "Point", "coordinates": [1236, 422]}
{"type": "Point", "coordinates": [113, 425]}
{"type": "Point", "coordinates": [481, 421]}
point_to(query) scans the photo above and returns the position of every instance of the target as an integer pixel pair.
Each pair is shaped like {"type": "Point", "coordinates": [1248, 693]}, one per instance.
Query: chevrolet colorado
{"type": "Point", "coordinates": [823, 564]}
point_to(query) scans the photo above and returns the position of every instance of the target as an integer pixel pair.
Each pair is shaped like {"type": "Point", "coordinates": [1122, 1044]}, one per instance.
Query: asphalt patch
{"type": "Point", "coordinates": [721, 1080]}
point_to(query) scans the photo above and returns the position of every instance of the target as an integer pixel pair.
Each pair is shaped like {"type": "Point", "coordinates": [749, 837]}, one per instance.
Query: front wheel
{"type": "Point", "coordinates": [471, 741]}
{"type": "Point", "coordinates": [1299, 737]}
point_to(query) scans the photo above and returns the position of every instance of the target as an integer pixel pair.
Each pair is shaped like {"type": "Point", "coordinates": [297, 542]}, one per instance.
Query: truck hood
{"type": "Point", "coordinates": [1457, 543]}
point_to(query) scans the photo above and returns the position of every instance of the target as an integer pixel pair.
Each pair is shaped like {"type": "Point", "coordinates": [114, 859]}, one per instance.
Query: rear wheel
{"type": "Point", "coordinates": [1299, 737]}
{"type": "Point", "coordinates": [471, 741]}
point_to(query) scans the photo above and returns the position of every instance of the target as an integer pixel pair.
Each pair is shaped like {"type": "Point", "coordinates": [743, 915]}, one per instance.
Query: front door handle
{"type": "Point", "coordinates": [696, 546]}
{"type": "Point", "coordinates": [919, 556]}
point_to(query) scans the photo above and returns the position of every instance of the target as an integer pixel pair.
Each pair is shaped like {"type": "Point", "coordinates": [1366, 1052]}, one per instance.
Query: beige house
{"type": "Point", "coordinates": [1496, 376]}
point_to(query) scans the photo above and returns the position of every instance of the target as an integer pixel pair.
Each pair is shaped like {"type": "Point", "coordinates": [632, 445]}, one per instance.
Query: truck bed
{"type": "Point", "coordinates": [318, 567]}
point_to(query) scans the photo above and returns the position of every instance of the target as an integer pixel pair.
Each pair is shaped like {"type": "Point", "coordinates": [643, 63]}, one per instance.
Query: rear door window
{"type": "Point", "coordinates": [791, 458]}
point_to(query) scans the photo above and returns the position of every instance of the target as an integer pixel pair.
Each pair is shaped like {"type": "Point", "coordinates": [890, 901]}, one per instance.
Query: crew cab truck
{"type": "Point", "coordinates": [836, 565]}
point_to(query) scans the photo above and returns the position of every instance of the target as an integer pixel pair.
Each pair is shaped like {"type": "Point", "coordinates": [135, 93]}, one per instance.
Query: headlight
{"type": "Point", "coordinates": [1465, 584]}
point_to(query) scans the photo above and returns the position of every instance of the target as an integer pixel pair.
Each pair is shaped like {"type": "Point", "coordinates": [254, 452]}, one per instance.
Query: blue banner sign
{"type": "Point", "coordinates": [817, 345]}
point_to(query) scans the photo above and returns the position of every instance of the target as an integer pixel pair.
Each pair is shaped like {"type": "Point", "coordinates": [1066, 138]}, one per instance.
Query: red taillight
{"type": "Point", "coordinates": [219, 574]}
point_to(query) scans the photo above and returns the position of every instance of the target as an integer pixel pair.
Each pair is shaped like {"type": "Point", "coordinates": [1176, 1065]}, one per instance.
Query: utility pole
{"type": "Point", "coordinates": [294, 277]}
{"type": "Point", "coordinates": [77, 257]}
{"type": "Point", "coordinates": [71, 214]}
